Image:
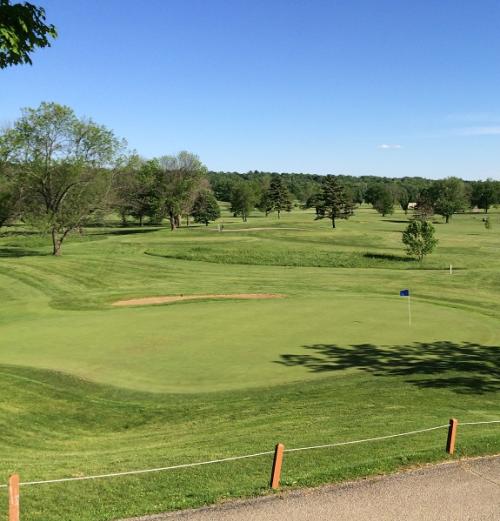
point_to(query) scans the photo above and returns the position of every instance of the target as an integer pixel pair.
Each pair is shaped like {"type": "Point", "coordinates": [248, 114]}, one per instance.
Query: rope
{"type": "Point", "coordinates": [246, 456]}
{"type": "Point", "coordinates": [145, 471]}
{"type": "Point", "coordinates": [478, 423]}
{"type": "Point", "coordinates": [366, 439]}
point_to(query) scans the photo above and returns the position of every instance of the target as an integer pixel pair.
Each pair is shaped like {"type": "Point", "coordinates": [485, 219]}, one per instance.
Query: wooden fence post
{"type": "Point", "coordinates": [14, 497]}
{"type": "Point", "coordinates": [452, 436]}
{"type": "Point", "coordinates": [278, 460]}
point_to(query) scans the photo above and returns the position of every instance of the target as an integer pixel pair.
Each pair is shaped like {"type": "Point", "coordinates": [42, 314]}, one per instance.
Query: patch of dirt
{"type": "Point", "coordinates": [176, 298]}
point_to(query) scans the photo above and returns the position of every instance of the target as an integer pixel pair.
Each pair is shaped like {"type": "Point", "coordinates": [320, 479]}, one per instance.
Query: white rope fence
{"type": "Point", "coordinates": [146, 471]}
{"type": "Point", "coordinates": [339, 444]}
{"type": "Point", "coordinates": [478, 423]}
{"type": "Point", "coordinates": [246, 456]}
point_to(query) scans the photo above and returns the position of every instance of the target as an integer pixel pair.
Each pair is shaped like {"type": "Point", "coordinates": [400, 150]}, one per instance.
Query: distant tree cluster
{"type": "Point", "coordinates": [59, 173]}
{"type": "Point", "coordinates": [444, 197]}
{"type": "Point", "coordinates": [267, 195]}
{"type": "Point", "coordinates": [168, 187]}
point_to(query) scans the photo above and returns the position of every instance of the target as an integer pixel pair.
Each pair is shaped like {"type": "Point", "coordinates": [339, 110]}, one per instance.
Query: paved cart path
{"type": "Point", "coordinates": [468, 490]}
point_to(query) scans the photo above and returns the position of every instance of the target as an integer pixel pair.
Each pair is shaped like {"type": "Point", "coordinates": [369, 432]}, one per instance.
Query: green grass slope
{"type": "Point", "coordinates": [88, 388]}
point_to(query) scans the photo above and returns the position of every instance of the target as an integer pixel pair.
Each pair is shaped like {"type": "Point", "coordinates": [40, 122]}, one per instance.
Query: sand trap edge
{"type": "Point", "coordinates": [149, 301]}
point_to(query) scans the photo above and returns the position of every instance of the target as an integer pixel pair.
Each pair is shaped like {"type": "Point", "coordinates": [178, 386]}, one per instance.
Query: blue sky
{"type": "Point", "coordinates": [392, 87]}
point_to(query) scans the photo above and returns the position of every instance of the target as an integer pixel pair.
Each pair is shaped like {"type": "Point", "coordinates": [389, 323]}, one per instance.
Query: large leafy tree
{"type": "Point", "coordinates": [381, 196]}
{"type": "Point", "coordinates": [243, 200]}
{"type": "Point", "coordinates": [419, 239]}
{"type": "Point", "coordinates": [63, 168]}
{"type": "Point", "coordinates": [485, 194]}
{"type": "Point", "coordinates": [404, 198]}
{"type": "Point", "coordinates": [22, 30]}
{"type": "Point", "coordinates": [333, 202]}
{"type": "Point", "coordinates": [445, 197]}
{"type": "Point", "coordinates": [7, 203]}
{"type": "Point", "coordinates": [9, 195]}
{"type": "Point", "coordinates": [205, 207]}
{"type": "Point", "coordinates": [425, 205]}
{"type": "Point", "coordinates": [406, 193]}
{"type": "Point", "coordinates": [135, 189]}
{"type": "Point", "coordinates": [278, 196]}
{"type": "Point", "coordinates": [448, 197]}
{"type": "Point", "coordinates": [181, 179]}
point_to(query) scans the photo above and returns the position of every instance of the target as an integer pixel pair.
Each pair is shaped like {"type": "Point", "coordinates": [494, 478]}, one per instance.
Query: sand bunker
{"type": "Point", "coordinates": [176, 298]}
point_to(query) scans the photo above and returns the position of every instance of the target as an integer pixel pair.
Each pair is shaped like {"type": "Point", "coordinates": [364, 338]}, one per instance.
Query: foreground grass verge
{"type": "Point", "coordinates": [68, 427]}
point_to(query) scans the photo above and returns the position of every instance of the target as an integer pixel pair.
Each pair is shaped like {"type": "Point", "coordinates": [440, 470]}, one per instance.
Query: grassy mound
{"type": "Point", "coordinates": [68, 427]}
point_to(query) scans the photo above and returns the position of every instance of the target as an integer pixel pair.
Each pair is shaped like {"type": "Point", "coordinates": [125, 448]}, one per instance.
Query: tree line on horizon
{"type": "Point", "coordinates": [59, 173]}
{"type": "Point", "coordinates": [443, 197]}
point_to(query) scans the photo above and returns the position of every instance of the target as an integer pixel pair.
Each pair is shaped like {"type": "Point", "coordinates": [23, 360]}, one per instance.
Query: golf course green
{"type": "Point", "coordinates": [91, 388]}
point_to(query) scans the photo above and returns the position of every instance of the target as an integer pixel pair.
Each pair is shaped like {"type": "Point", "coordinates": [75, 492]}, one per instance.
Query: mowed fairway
{"type": "Point", "coordinates": [90, 388]}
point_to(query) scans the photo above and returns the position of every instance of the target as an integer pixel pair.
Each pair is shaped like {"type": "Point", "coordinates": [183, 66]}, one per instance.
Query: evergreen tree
{"type": "Point", "coordinates": [333, 202]}
{"type": "Point", "coordinates": [278, 197]}
{"type": "Point", "coordinates": [265, 204]}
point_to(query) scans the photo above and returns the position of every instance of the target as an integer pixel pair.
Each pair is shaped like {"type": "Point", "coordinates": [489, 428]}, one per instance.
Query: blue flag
{"type": "Point", "coordinates": [404, 293]}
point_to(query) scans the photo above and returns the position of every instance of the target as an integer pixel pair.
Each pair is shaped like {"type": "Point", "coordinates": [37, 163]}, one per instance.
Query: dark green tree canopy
{"type": "Point", "coordinates": [205, 207]}
{"type": "Point", "coordinates": [135, 189]}
{"type": "Point", "coordinates": [444, 197]}
{"type": "Point", "coordinates": [243, 200]}
{"type": "Point", "coordinates": [9, 199]}
{"type": "Point", "coordinates": [381, 196]}
{"type": "Point", "coordinates": [448, 196]}
{"type": "Point", "coordinates": [278, 198]}
{"type": "Point", "coordinates": [485, 194]}
{"type": "Point", "coordinates": [22, 30]}
{"type": "Point", "coordinates": [333, 202]}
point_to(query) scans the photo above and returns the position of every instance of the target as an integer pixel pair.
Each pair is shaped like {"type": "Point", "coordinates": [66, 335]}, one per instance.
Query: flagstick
{"type": "Point", "coordinates": [409, 311]}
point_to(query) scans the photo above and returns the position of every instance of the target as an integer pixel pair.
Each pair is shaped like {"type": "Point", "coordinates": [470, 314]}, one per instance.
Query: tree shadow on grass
{"type": "Point", "coordinates": [460, 367]}
{"type": "Point", "coordinates": [388, 256]}
{"type": "Point", "coordinates": [10, 232]}
{"type": "Point", "coordinates": [20, 252]}
{"type": "Point", "coordinates": [127, 231]}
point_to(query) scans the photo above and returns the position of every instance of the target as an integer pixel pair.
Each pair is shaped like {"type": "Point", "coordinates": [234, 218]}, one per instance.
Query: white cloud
{"type": "Point", "coordinates": [386, 146]}
{"type": "Point", "coordinates": [478, 131]}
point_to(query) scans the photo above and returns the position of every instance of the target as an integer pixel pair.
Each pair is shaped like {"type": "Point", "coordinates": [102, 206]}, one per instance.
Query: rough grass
{"type": "Point", "coordinates": [91, 389]}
